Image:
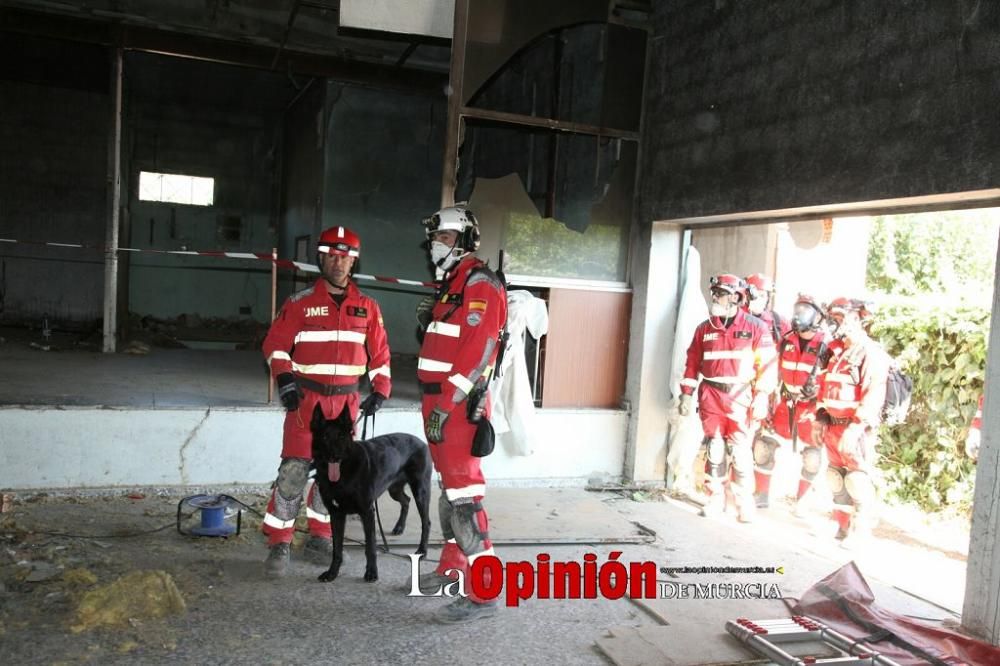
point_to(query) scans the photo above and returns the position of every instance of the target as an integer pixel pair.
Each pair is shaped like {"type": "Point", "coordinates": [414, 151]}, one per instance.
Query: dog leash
{"type": "Point", "coordinates": [378, 518]}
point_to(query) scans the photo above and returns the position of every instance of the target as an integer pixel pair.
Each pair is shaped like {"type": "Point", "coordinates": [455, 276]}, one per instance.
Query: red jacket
{"type": "Point", "coordinates": [461, 343]}
{"type": "Point", "coordinates": [741, 354]}
{"type": "Point", "coordinates": [324, 342]}
{"type": "Point", "coordinates": [854, 383]}
{"type": "Point", "coordinates": [795, 364]}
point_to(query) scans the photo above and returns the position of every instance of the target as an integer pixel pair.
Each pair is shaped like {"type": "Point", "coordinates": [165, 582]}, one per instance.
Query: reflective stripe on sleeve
{"type": "Point", "coordinates": [444, 328]}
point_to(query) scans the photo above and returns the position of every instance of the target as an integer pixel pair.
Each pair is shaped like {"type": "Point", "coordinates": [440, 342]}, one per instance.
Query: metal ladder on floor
{"type": "Point", "coordinates": [765, 636]}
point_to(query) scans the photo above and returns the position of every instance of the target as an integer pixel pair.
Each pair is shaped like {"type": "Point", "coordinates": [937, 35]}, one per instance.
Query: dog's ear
{"type": "Point", "coordinates": [344, 420]}
{"type": "Point", "coordinates": [318, 420]}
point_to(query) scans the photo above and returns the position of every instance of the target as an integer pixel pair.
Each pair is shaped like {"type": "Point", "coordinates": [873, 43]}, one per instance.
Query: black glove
{"type": "Point", "coordinates": [288, 391]}
{"type": "Point", "coordinates": [809, 390]}
{"type": "Point", "coordinates": [822, 416]}
{"type": "Point", "coordinates": [372, 403]}
{"type": "Point", "coordinates": [434, 427]}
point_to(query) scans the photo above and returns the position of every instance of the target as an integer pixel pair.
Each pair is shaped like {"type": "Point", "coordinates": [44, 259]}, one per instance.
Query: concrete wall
{"type": "Point", "coordinates": [761, 106]}
{"type": "Point", "coordinates": [210, 120]}
{"type": "Point", "coordinates": [383, 176]}
{"type": "Point", "coordinates": [54, 122]}
{"type": "Point", "coordinates": [95, 447]}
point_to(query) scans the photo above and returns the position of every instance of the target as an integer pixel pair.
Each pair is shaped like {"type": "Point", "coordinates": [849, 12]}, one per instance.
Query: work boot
{"type": "Point", "coordinates": [762, 500]}
{"type": "Point", "coordinates": [714, 507]}
{"type": "Point", "coordinates": [276, 564]}
{"type": "Point", "coordinates": [463, 610]}
{"type": "Point", "coordinates": [318, 550]}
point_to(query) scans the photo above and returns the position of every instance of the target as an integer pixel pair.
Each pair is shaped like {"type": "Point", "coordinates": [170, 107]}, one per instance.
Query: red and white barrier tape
{"type": "Point", "coordinates": [258, 256]}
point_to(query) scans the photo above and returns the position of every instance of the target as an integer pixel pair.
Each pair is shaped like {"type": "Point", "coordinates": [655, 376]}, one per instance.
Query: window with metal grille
{"type": "Point", "coordinates": [176, 188]}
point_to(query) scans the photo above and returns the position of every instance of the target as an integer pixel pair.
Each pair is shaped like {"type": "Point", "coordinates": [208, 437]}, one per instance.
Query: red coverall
{"type": "Point", "coordinates": [852, 393]}
{"type": "Point", "coordinates": [737, 364]}
{"type": "Point", "coordinates": [328, 347]}
{"type": "Point", "coordinates": [458, 353]}
{"type": "Point", "coordinates": [797, 358]}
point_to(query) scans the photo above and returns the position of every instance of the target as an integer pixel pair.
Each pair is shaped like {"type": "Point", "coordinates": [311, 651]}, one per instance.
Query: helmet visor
{"type": "Point", "coordinates": [805, 317]}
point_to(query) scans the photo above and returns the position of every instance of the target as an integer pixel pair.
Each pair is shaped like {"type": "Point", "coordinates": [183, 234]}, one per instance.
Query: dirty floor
{"type": "Point", "coordinates": [232, 615]}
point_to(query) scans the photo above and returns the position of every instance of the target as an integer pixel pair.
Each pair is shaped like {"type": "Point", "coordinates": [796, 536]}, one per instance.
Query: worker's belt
{"type": "Point", "coordinates": [430, 388]}
{"type": "Point", "coordinates": [326, 389]}
{"type": "Point", "coordinates": [719, 386]}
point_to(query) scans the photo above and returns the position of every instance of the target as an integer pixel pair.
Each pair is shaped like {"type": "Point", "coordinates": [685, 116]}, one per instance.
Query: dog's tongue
{"type": "Point", "coordinates": [333, 471]}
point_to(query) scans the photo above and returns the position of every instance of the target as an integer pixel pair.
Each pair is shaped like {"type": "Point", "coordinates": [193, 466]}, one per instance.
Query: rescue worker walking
{"type": "Point", "coordinates": [456, 361]}
{"type": "Point", "coordinates": [759, 297]}
{"type": "Point", "coordinates": [323, 339]}
{"type": "Point", "coordinates": [733, 354]}
{"type": "Point", "coordinates": [849, 412]}
{"type": "Point", "coordinates": [802, 354]}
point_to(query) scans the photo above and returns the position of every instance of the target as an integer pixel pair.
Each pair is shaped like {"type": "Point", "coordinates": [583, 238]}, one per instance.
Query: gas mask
{"type": "Point", "coordinates": [442, 255]}
{"type": "Point", "coordinates": [805, 318]}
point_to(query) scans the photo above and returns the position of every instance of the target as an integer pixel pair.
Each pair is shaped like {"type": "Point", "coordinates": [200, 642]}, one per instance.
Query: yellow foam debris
{"type": "Point", "coordinates": [139, 595]}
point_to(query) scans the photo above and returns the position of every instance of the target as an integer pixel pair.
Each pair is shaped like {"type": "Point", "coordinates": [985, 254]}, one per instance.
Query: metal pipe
{"type": "Point", "coordinates": [274, 313]}
{"type": "Point", "coordinates": [110, 327]}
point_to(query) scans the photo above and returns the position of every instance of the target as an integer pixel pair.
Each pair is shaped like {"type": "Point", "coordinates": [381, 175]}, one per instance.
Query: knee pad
{"type": "Point", "coordinates": [812, 460]}
{"type": "Point", "coordinates": [764, 447]}
{"type": "Point", "coordinates": [444, 516]}
{"type": "Point", "coordinates": [715, 456]}
{"type": "Point", "coordinates": [835, 479]}
{"type": "Point", "coordinates": [860, 487]}
{"type": "Point", "coordinates": [292, 476]}
{"type": "Point", "coordinates": [468, 524]}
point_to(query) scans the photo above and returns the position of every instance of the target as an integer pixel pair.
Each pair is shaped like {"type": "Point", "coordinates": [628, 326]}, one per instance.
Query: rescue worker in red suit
{"type": "Point", "coordinates": [733, 354]}
{"type": "Point", "coordinates": [802, 354]}
{"type": "Point", "coordinates": [759, 296]}
{"type": "Point", "coordinates": [851, 397]}
{"type": "Point", "coordinates": [974, 438]}
{"type": "Point", "coordinates": [457, 358]}
{"type": "Point", "coordinates": [323, 340]}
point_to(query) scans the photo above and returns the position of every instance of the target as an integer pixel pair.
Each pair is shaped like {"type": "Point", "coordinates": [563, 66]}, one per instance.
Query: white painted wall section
{"type": "Point", "coordinates": [95, 447]}
{"type": "Point", "coordinates": [413, 17]}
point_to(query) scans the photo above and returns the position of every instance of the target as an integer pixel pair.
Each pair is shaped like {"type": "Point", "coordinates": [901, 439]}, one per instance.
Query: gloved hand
{"type": "Point", "coordinates": [972, 441]}
{"type": "Point", "coordinates": [424, 308]}
{"type": "Point", "coordinates": [809, 390]}
{"type": "Point", "coordinates": [372, 403]}
{"type": "Point", "coordinates": [851, 442]}
{"type": "Point", "coordinates": [684, 406]}
{"type": "Point", "coordinates": [760, 406]}
{"type": "Point", "coordinates": [434, 428]}
{"type": "Point", "coordinates": [288, 391]}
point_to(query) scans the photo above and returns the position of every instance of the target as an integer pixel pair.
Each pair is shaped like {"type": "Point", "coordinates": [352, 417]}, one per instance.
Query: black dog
{"type": "Point", "coordinates": [352, 475]}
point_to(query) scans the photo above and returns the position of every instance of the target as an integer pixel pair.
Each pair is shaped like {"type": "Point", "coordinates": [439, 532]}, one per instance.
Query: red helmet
{"type": "Point", "coordinates": [844, 305]}
{"type": "Point", "coordinates": [727, 282]}
{"type": "Point", "coordinates": [339, 240]}
{"type": "Point", "coordinates": [757, 283]}
{"type": "Point", "coordinates": [808, 300]}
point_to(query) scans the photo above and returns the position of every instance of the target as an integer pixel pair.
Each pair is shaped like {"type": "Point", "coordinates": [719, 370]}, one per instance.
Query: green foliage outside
{"type": "Point", "coordinates": [932, 278]}
{"type": "Point", "coordinates": [546, 247]}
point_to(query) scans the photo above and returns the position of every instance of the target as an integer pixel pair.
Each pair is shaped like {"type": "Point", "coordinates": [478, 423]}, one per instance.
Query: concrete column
{"type": "Point", "coordinates": [114, 195]}
{"type": "Point", "coordinates": [656, 257]}
{"type": "Point", "coordinates": [981, 612]}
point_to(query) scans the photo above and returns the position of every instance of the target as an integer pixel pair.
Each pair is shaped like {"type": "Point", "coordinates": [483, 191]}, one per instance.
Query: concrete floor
{"type": "Point", "coordinates": [234, 616]}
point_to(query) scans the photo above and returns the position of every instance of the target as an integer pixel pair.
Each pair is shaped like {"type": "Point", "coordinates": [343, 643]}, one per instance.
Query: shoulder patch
{"type": "Point", "coordinates": [483, 274]}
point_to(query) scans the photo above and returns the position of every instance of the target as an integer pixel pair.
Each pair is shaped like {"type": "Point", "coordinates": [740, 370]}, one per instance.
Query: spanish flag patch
{"type": "Point", "coordinates": [477, 305]}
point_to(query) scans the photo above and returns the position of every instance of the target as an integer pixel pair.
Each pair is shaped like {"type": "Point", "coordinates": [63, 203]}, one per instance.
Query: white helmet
{"type": "Point", "coordinates": [455, 218]}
